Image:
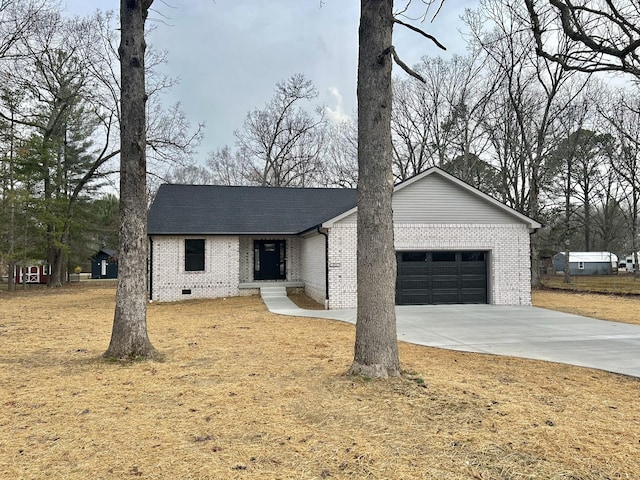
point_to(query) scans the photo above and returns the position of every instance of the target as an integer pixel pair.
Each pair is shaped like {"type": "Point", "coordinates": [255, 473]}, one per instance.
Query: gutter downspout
{"type": "Point", "coordinates": [532, 232]}
{"type": "Point", "coordinates": [326, 267]}
{"type": "Point", "coordinates": [150, 268]}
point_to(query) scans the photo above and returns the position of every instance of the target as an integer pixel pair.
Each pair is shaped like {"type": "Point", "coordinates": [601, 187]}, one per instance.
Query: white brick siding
{"type": "Point", "coordinates": [229, 261]}
{"type": "Point", "coordinates": [508, 264]}
{"type": "Point", "coordinates": [169, 278]}
{"type": "Point", "coordinates": [246, 259]}
{"type": "Point", "coordinates": [314, 267]}
{"type": "Point", "coordinates": [342, 266]}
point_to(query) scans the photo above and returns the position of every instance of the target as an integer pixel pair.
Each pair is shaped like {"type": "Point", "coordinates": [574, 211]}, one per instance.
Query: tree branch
{"type": "Point", "coordinates": [599, 37]}
{"type": "Point", "coordinates": [392, 50]}
{"type": "Point", "coordinates": [421, 32]}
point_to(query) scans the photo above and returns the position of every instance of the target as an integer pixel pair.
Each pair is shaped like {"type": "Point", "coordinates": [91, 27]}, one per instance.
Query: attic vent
{"type": "Point", "coordinates": [186, 291]}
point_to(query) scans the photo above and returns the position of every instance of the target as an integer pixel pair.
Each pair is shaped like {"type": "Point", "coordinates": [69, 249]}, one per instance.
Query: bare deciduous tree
{"type": "Point", "coordinates": [602, 35]}
{"type": "Point", "coordinates": [440, 120]}
{"type": "Point", "coordinates": [624, 117]}
{"type": "Point", "coordinates": [610, 224]}
{"type": "Point", "coordinates": [531, 89]}
{"type": "Point", "coordinates": [65, 69]}
{"type": "Point", "coordinates": [376, 345]}
{"type": "Point", "coordinates": [189, 175]}
{"type": "Point", "coordinates": [17, 21]}
{"type": "Point", "coordinates": [340, 165]}
{"type": "Point", "coordinates": [53, 76]}
{"type": "Point", "coordinates": [576, 160]}
{"type": "Point", "coordinates": [129, 337]}
{"type": "Point", "coordinates": [418, 142]}
{"type": "Point", "coordinates": [278, 145]}
{"type": "Point", "coordinates": [227, 167]}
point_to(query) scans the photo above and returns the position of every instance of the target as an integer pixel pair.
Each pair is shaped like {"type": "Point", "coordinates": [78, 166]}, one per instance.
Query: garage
{"type": "Point", "coordinates": [453, 245]}
{"type": "Point", "coordinates": [441, 277]}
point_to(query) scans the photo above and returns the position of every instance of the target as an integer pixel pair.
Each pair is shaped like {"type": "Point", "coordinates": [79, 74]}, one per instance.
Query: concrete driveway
{"type": "Point", "coordinates": [526, 332]}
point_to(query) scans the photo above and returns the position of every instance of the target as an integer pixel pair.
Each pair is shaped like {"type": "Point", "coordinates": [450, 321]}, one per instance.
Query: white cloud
{"type": "Point", "coordinates": [336, 113]}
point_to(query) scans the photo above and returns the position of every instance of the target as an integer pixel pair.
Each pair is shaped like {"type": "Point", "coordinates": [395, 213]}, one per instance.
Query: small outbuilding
{"type": "Point", "coordinates": [104, 264]}
{"type": "Point", "coordinates": [37, 272]}
{"type": "Point", "coordinates": [629, 262]}
{"type": "Point", "coordinates": [587, 263]}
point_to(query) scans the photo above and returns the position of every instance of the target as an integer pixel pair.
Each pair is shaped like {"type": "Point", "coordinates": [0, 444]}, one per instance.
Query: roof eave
{"type": "Point", "coordinates": [231, 232]}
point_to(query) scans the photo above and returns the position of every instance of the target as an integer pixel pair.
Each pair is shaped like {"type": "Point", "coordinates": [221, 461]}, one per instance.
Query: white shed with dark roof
{"type": "Point", "coordinates": [454, 244]}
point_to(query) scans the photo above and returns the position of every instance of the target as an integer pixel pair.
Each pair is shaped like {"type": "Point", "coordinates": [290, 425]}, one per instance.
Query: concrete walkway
{"type": "Point", "coordinates": [526, 332]}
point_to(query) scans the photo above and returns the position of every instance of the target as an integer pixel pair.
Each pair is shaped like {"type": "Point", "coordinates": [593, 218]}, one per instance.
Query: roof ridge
{"type": "Point", "coordinates": [255, 186]}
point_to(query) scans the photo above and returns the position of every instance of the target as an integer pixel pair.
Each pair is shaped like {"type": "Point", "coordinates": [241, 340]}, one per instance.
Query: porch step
{"type": "Point", "coordinates": [271, 292]}
{"type": "Point", "coordinates": [258, 285]}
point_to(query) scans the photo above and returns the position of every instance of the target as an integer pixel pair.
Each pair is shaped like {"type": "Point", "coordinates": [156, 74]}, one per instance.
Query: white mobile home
{"type": "Point", "coordinates": [587, 263]}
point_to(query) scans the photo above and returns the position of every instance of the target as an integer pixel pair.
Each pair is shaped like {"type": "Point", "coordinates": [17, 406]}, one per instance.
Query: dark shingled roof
{"type": "Point", "coordinates": [107, 251]}
{"type": "Point", "coordinates": [212, 209]}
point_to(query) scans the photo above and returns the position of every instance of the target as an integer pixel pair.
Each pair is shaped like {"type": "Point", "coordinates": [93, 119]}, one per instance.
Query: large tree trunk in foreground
{"type": "Point", "coordinates": [376, 346]}
{"type": "Point", "coordinates": [129, 338]}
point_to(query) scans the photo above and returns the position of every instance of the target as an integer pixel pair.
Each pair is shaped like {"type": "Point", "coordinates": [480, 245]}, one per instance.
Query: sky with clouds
{"type": "Point", "coordinates": [229, 54]}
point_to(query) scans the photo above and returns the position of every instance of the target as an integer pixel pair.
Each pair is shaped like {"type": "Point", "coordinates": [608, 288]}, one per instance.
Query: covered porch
{"type": "Point", "coordinates": [267, 260]}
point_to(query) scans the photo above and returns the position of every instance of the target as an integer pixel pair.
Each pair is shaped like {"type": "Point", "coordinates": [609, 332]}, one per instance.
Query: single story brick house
{"type": "Point", "coordinates": [454, 244]}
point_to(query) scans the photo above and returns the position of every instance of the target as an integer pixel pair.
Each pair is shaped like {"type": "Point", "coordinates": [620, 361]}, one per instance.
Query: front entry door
{"type": "Point", "coordinates": [269, 260]}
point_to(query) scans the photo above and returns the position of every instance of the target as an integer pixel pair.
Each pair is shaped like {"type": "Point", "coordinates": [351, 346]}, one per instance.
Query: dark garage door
{"type": "Point", "coordinates": [431, 278]}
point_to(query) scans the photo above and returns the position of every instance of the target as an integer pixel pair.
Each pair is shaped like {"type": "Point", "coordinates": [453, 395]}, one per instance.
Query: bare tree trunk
{"type": "Point", "coordinates": [129, 335]}
{"type": "Point", "coordinates": [376, 346]}
{"type": "Point", "coordinates": [634, 232]}
{"type": "Point", "coordinates": [587, 226]}
{"type": "Point", "coordinates": [567, 220]}
{"type": "Point", "coordinates": [11, 231]}
{"type": "Point", "coordinates": [535, 241]}
{"type": "Point", "coordinates": [55, 267]}
{"type": "Point", "coordinates": [11, 279]}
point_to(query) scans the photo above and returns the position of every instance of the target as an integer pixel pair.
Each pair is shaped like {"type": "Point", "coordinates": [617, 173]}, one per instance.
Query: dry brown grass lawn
{"type": "Point", "coordinates": [243, 393]}
{"type": "Point", "coordinates": [605, 307]}
{"type": "Point", "coordinates": [622, 283]}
